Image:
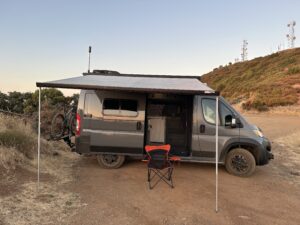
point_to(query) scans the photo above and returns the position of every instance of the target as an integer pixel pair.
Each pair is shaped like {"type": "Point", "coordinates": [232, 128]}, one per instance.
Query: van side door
{"type": "Point", "coordinates": [206, 130]}
{"type": "Point", "coordinates": [118, 124]}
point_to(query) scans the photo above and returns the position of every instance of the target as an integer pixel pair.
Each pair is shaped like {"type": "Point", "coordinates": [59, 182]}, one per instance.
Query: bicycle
{"type": "Point", "coordinates": [63, 126]}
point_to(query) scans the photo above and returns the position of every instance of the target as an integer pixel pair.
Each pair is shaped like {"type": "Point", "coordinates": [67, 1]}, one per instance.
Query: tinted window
{"type": "Point", "coordinates": [209, 110]}
{"type": "Point", "coordinates": [92, 105]}
{"type": "Point", "coordinates": [130, 105]}
{"type": "Point", "coordinates": [224, 110]}
{"type": "Point", "coordinates": [111, 104]}
{"type": "Point", "coordinates": [120, 107]}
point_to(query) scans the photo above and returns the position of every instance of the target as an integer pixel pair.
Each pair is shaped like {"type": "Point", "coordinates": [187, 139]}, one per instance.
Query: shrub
{"type": "Point", "coordinates": [18, 140]}
{"type": "Point", "coordinates": [259, 106]}
{"type": "Point", "coordinates": [256, 104]}
{"type": "Point", "coordinates": [246, 105]}
{"type": "Point", "coordinates": [293, 70]}
{"type": "Point", "coordinates": [288, 61]}
{"type": "Point", "coordinates": [220, 87]}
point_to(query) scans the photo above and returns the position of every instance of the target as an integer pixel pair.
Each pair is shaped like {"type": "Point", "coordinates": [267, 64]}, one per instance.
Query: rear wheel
{"type": "Point", "coordinates": [109, 161]}
{"type": "Point", "coordinates": [240, 162]}
{"type": "Point", "coordinates": [57, 126]}
{"type": "Point", "coordinates": [72, 125]}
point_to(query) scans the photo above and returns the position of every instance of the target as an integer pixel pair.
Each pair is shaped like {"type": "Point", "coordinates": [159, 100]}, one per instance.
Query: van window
{"type": "Point", "coordinates": [130, 105]}
{"type": "Point", "coordinates": [92, 105]}
{"type": "Point", "coordinates": [224, 110]}
{"type": "Point", "coordinates": [209, 110]}
{"type": "Point", "coordinates": [111, 104]}
{"type": "Point", "coordinates": [120, 107]}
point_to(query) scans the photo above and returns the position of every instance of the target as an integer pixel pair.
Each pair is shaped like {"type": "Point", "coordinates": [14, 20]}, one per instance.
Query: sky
{"type": "Point", "coordinates": [48, 40]}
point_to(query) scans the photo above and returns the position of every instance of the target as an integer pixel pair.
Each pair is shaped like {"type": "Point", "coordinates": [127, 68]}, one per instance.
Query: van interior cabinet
{"type": "Point", "coordinates": [157, 130]}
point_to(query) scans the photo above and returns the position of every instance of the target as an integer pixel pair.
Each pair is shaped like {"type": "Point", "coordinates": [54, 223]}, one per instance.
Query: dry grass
{"type": "Point", "coordinates": [260, 83]}
{"type": "Point", "coordinates": [289, 110]}
{"type": "Point", "coordinates": [48, 206]}
{"type": "Point", "coordinates": [18, 151]}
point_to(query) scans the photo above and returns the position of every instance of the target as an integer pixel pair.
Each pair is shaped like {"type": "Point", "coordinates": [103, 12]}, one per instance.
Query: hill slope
{"type": "Point", "coordinates": [263, 82]}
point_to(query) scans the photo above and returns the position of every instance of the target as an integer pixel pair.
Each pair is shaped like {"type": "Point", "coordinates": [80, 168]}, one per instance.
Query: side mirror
{"type": "Point", "coordinates": [231, 121]}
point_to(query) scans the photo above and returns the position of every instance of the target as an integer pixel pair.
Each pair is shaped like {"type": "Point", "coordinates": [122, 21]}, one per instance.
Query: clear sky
{"type": "Point", "coordinates": [47, 40]}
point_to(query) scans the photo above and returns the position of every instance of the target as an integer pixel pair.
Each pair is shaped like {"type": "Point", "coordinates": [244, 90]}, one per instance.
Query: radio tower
{"type": "Point", "coordinates": [244, 54]}
{"type": "Point", "coordinates": [291, 36]}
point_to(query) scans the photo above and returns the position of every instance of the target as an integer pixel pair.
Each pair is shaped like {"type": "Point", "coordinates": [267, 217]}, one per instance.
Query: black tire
{"type": "Point", "coordinates": [57, 126]}
{"type": "Point", "coordinates": [240, 162]}
{"type": "Point", "coordinates": [110, 161]}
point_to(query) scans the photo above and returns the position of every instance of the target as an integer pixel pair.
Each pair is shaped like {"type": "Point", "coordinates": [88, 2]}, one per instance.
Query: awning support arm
{"type": "Point", "coordinates": [39, 142]}
{"type": "Point", "coordinates": [217, 149]}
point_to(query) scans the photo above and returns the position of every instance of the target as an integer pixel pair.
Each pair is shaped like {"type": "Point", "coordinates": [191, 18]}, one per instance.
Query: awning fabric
{"type": "Point", "coordinates": [136, 83]}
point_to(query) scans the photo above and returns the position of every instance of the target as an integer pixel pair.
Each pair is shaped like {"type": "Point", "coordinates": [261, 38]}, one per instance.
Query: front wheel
{"type": "Point", "coordinates": [240, 162]}
{"type": "Point", "coordinates": [109, 161]}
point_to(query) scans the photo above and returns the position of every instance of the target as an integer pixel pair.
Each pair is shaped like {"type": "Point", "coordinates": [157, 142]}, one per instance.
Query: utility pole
{"type": "Point", "coordinates": [244, 54]}
{"type": "Point", "coordinates": [291, 35]}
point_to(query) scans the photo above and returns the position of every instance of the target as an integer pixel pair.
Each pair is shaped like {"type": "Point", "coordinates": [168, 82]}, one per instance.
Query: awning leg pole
{"type": "Point", "coordinates": [39, 142]}
{"type": "Point", "coordinates": [217, 149]}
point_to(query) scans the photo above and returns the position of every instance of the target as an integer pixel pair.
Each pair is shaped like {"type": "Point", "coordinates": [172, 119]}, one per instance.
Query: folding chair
{"type": "Point", "coordinates": [159, 165]}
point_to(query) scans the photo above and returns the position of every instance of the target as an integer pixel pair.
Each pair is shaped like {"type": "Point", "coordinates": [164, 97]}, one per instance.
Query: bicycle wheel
{"type": "Point", "coordinates": [57, 126]}
{"type": "Point", "coordinates": [72, 125]}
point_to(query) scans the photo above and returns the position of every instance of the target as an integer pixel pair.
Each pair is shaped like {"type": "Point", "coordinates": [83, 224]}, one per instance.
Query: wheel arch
{"type": "Point", "coordinates": [248, 144]}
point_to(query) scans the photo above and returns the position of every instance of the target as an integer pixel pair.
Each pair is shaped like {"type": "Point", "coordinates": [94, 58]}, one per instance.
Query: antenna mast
{"type": "Point", "coordinates": [90, 50]}
{"type": "Point", "coordinates": [244, 54]}
{"type": "Point", "coordinates": [291, 35]}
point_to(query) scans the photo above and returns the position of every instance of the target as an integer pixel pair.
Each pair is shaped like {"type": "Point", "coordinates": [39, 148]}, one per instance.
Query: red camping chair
{"type": "Point", "coordinates": [159, 165]}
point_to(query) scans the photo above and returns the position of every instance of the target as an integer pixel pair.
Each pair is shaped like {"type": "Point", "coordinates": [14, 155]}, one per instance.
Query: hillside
{"type": "Point", "coordinates": [20, 202]}
{"type": "Point", "coordinates": [263, 82]}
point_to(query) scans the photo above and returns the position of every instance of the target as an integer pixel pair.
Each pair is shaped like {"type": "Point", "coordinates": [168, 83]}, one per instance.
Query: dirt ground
{"type": "Point", "coordinates": [270, 196]}
{"type": "Point", "coordinates": [76, 191]}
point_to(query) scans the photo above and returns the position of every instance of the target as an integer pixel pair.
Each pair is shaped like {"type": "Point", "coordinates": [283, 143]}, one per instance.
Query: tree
{"type": "Point", "coordinates": [27, 102]}
{"type": "Point", "coordinates": [3, 101]}
{"type": "Point", "coordinates": [51, 96]}
{"type": "Point", "coordinates": [15, 102]}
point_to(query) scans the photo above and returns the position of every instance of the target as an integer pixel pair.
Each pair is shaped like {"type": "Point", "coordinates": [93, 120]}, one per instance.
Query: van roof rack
{"type": "Point", "coordinates": [102, 72]}
{"type": "Point", "coordinates": [116, 73]}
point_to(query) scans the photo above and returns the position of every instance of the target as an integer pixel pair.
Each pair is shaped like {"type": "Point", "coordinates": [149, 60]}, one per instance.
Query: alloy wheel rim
{"type": "Point", "coordinates": [110, 159]}
{"type": "Point", "coordinates": [239, 163]}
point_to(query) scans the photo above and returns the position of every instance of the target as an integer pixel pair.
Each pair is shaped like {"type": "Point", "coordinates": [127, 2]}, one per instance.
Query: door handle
{"type": "Point", "coordinates": [88, 115]}
{"type": "Point", "coordinates": [202, 128]}
{"type": "Point", "coordinates": [139, 125]}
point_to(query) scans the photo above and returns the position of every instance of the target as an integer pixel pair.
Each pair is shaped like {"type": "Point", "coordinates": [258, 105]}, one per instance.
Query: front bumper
{"type": "Point", "coordinates": [266, 155]}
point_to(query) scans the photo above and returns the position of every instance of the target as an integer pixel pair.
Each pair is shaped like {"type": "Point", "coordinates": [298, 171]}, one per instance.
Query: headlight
{"type": "Point", "coordinates": [258, 133]}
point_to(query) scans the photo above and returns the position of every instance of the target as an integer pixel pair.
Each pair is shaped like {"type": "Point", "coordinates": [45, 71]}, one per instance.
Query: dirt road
{"type": "Point", "coordinates": [270, 196]}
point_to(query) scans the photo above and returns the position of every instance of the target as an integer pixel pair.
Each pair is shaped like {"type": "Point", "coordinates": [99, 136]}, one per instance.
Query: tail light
{"type": "Point", "coordinates": [78, 124]}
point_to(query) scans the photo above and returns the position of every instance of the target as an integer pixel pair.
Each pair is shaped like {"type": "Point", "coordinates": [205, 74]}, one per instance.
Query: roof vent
{"type": "Point", "coordinates": [105, 72]}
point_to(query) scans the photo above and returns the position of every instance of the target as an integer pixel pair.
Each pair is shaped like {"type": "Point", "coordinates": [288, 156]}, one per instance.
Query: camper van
{"type": "Point", "coordinates": [130, 111]}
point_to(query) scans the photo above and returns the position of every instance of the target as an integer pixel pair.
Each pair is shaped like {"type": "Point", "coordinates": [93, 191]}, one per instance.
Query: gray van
{"type": "Point", "coordinates": [115, 124]}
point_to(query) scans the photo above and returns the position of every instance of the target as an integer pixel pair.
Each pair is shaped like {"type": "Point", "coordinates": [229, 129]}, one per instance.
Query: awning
{"type": "Point", "coordinates": [134, 82]}
{"type": "Point", "coordinates": [137, 83]}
